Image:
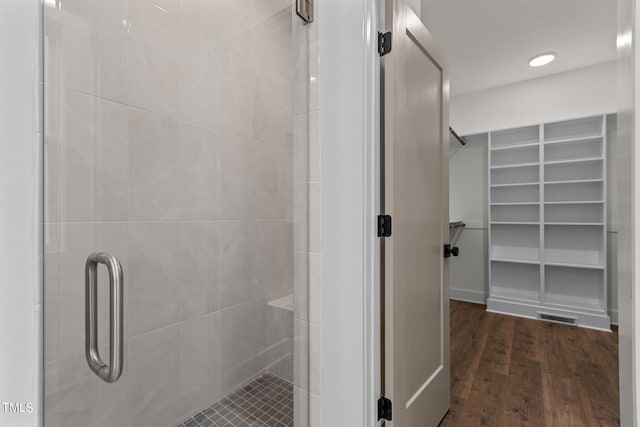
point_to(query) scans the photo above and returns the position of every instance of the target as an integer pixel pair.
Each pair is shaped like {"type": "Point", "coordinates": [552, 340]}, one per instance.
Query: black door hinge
{"type": "Point", "coordinates": [384, 43]}
{"type": "Point", "coordinates": [448, 251]}
{"type": "Point", "coordinates": [384, 408]}
{"type": "Point", "coordinates": [384, 225]}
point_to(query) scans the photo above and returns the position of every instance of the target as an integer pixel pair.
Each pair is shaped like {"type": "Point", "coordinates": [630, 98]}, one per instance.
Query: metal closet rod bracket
{"type": "Point", "coordinates": [456, 136]}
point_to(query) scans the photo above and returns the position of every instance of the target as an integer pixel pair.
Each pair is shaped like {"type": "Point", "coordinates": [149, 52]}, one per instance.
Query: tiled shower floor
{"type": "Point", "coordinates": [266, 401]}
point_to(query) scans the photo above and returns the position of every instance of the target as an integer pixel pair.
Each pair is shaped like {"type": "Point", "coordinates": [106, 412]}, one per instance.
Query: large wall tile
{"type": "Point", "coordinates": [265, 105]}
{"type": "Point", "coordinates": [285, 184]}
{"type": "Point", "coordinates": [272, 94]}
{"type": "Point", "coordinates": [221, 18]}
{"type": "Point", "coordinates": [260, 315]}
{"type": "Point", "coordinates": [86, 400]}
{"type": "Point", "coordinates": [89, 39]}
{"type": "Point", "coordinates": [200, 72]}
{"type": "Point", "coordinates": [238, 345]}
{"type": "Point", "coordinates": [74, 392]}
{"type": "Point", "coordinates": [110, 404]}
{"type": "Point", "coordinates": [265, 9]}
{"type": "Point", "coordinates": [234, 276]}
{"type": "Point", "coordinates": [237, 85]}
{"type": "Point", "coordinates": [264, 177]}
{"type": "Point", "coordinates": [88, 156]}
{"type": "Point", "coordinates": [284, 284]}
{"type": "Point", "coordinates": [154, 382]}
{"type": "Point", "coordinates": [217, 365]}
{"type": "Point", "coordinates": [153, 52]}
{"type": "Point", "coordinates": [280, 341]}
{"type": "Point", "coordinates": [264, 260]}
{"type": "Point", "coordinates": [170, 6]}
{"type": "Point", "coordinates": [195, 387]}
{"type": "Point", "coordinates": [154, 167]}
{"type": "Point", "coordinates": [198, 264]}
{"type": "Point", "coordinates": [153, 280]}
{"type": "Point", "coordinates": [235, 177]}
{"type": "Point", "coordinates": [198, 169]}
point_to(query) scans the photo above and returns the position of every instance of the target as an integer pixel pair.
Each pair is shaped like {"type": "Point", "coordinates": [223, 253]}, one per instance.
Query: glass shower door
{"type": "Point", "coordinates": [169, 163]}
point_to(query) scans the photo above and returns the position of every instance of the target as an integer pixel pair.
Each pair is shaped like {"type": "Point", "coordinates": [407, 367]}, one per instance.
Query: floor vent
{"type": "Point", "coordinates": [557, 319]}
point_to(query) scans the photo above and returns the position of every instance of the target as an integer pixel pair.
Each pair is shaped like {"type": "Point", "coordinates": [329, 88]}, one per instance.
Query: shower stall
{"type": "Point", "coordinates": [176, 212]}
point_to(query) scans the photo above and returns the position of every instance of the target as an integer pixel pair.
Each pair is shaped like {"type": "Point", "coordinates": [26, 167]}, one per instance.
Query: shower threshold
{"type": "Point", "coordinates": [266, 401]}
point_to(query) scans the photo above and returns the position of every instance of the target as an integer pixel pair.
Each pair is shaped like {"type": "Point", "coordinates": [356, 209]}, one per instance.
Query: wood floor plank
{"type": "Point", "coordinates": [525, 341]}
{"type": "Point", "coordinates": [561, 402]}
{"type": "Point", "coordinates": [470, 331]}
{"type": "Point", "coordinates": [497, 350]}
{"type": "Point", "coordinates": [523, 405]}
{"type": "Point", "coordinates": [483, 406]}
{"type": "Point", "coordinates": [510, 372]}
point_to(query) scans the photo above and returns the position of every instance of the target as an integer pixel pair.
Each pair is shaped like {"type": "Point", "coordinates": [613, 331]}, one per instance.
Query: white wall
{"type": "Point", "coordinates": [20, 212]}
{"type": "Point", "coordinates": [531, 102]}
{"type": "Point", "coordinates": [579, 93]}
{"type": "Point", "coordinates": [468, 273]}
{"type": "Point", "coordinates": [348, 124]}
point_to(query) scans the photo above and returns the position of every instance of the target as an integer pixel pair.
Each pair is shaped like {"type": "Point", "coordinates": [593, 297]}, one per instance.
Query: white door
{"type": "Point", "coordinates": [416, 185]}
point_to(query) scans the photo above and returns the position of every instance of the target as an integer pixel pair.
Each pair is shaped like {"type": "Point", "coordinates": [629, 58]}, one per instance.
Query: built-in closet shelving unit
{"type": "Point", "coordinates": [547, 222]}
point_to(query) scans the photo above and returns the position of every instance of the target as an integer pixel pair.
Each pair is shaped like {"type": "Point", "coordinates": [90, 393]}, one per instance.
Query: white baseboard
{"type": "Point", "coordinates": [477, 297]}
{"type": "Point", "coordinates": [468, 296]}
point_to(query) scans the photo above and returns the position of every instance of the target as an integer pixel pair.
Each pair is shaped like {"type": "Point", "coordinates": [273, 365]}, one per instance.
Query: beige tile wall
{"type": "Point", "coordinates": [168, 144]}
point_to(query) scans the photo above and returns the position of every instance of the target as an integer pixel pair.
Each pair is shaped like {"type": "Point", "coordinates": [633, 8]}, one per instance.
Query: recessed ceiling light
{"type": "Point", "coordinates": [542, 59]}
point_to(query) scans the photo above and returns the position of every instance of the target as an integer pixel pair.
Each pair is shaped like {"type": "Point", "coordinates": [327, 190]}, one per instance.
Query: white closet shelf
{"type": "Point", "coordinates": [509, 147]}
{"type": "Point", "coordinates": [516, 261]}
{"type": "Point", "coordinates": [515, 223]}
{"type": "Point", "coordinates": [516, 204]}
{"type": "Point", "coordinates": [577, 202]}
{"type": "Point", "coordinates": [590, 224]}
{"type": "Point", "coordinates": [570, 140]}
{"type": "Point", "coordinates": [567, 162]}
{"type": "Point", "coordinates": [573, 265]}
{"type": "Point", "coordinates": [574, 181]}
{"type": "Point", "coordinates": [547, 221]}
{"type": "Point", "coordinates": [521, 184]}
{"type": "Point", "coordinates": [516, 165]}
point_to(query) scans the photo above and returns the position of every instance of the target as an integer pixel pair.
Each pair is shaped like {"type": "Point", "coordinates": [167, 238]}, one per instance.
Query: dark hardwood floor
{"type": "Point", "coordinates": [509, 371]}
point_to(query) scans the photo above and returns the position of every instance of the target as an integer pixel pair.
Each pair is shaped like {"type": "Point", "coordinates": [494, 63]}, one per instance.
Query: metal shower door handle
{"type": "Point", "coordinates": [109, 373]}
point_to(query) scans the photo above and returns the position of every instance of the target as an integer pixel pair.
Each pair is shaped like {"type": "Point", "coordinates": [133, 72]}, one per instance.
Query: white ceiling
{"type": "Point", "coordinates": [490, 42]}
